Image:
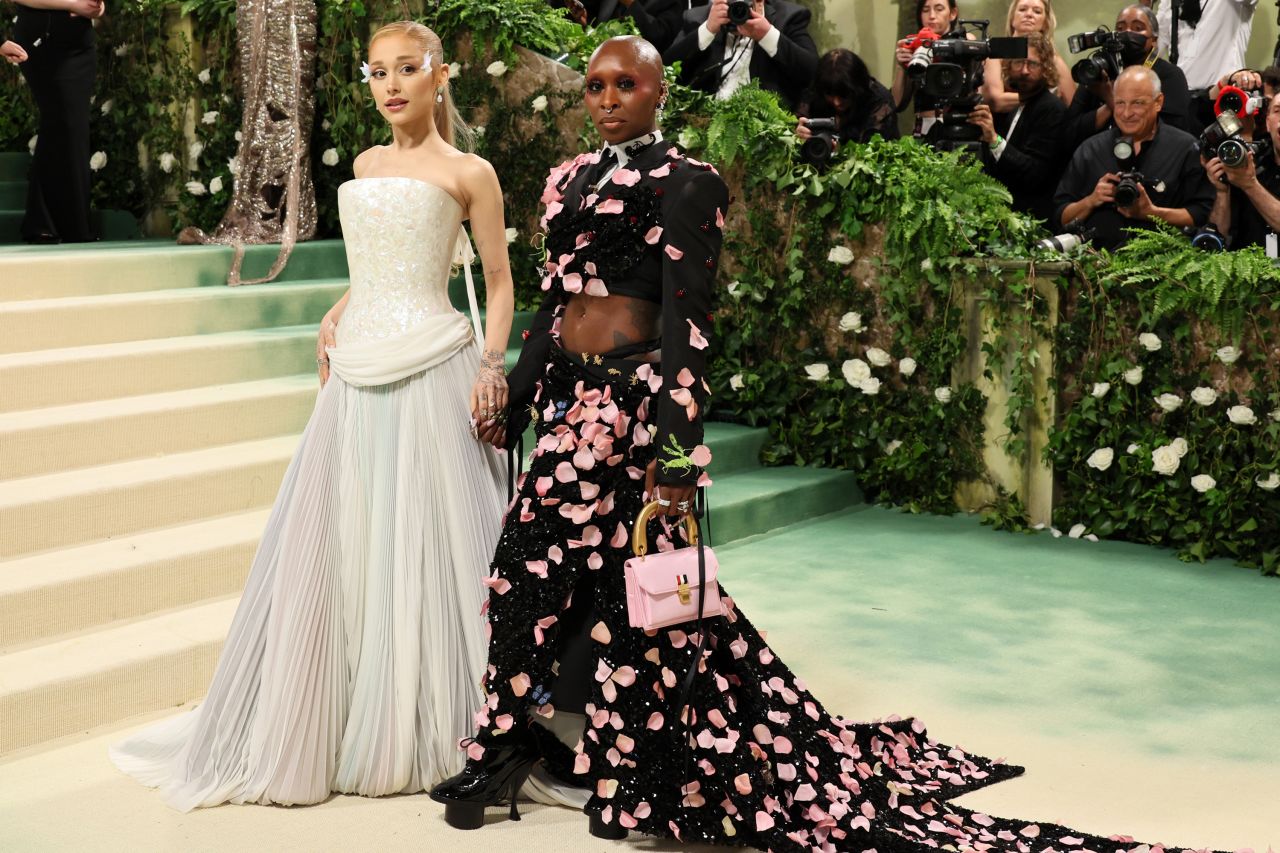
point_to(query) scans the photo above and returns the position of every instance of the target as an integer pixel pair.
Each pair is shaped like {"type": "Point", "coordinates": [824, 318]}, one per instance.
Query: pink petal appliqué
{"type": "Point", "coordinates": [626, 177]}
{"type": "Point", "coordinates": [696, 340]}
{"type": "Point", "coordinates": [654, 235]}
{"type": "Point", "coordinates": [609, 205]}
{"type": "Point", "coordinates": [673, 253]}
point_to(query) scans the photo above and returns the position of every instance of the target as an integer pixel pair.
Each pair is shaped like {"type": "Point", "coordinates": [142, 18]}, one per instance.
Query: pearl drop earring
{"type": "Point", "coordinates": [439, 96]}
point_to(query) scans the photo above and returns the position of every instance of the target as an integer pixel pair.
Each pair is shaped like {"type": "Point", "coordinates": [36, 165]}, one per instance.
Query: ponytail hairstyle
{"type": "Point", "coordinates": [449, 123]}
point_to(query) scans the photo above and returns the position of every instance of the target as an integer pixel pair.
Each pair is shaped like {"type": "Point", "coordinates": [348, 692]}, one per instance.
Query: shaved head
{"type": "Point", "coordinates": [634, 51]}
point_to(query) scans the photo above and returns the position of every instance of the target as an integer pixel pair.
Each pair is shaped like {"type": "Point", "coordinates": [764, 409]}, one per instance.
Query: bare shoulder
{"type": "Point", "coordinates": [475, 174]}
{"type": "Point", "coordinates": [365, 160]}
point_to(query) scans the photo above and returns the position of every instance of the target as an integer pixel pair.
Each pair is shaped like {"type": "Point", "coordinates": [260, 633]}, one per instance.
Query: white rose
{"type": "Point", "coordinates": [167, 162]}
{"type": "Point", "coordinates": [329, 157]}
{"type": "Point", "coordinates": [1180, 446]}
{"type": "Point", "coordinates": [1242, 415]}
{"type": "Point", "coordinates": [1132, 449]}
{"type": "Point", "coordinates": [1204, 396]}
{"type": "Point", "coordinates": [1203, 482]}
{"type": "Point", "coordinates": [210, 117]}
{"type": "Point", "coordinates": [98, 160]}
{"type": "Point", "coordinates": [1165, 460]}
{"type": "Point", "coordinates": [233, 165]}
{"type": "Point", "coordinates": [943, 394]}
{"type": "Point", "coordinates": [1228, 355]}
{"type": "Point", "coordinates": [1100, 389]}
{"type": "Point", "coordinates": [215, 186]}
{"type": "Point", "coordinates": [324, 125]}
{"type": "Point", "coordinates": [107, 105]}
{"type": "Point", "coordinates": [1101, 458]}
{"type": "Point", "coordinates": [31, 143]}
{"type": "Point", "coordinates": [239, 136]}
{"type": "Point", "coordinates": [497, 68]}
{"type": "Point", "coordinates": [907, 366]}
{"type": "Point", "coordinates": [851, 322]}
{"type": "Point", "coordinates": [926, 265]}
{"type": "Point", "coordinates": [817, 372]}
{"type": "Point", "coordinates": [204, 76]}
{"type": "Point", "coordinates": [856, 371]}
{"type": "Point", "coordinates": [1169, 402]}
{"type": "Point", "coordinates": [878, 357]}
{"type": "Point", "coordinates": [1076, 531]}
{"type": "Point", "coordinates": [1275, 415]}
{"type": "Point", "coordinates": [454, 69]}
{"type": "Point", "coordinates": [840, 255]}
{"type": "Point", "coordinates": [121, 50]}
{"type": "Point", "coordinates": [478, 130]}
{"type": "Point", "coordinates": [194, 150]}
{"type": "Point", "coordinates": [1133, 375]}
{"type": "Point", "coordinates": [539, 103]}
{"type": "Point", "coordinates": [735, 382]}
{"type": "Point", "coordinates": [869, 386]}
{"type": "Point", "coordinates": [892, 446]}
{"type": "Point", "coordinates": [733, 287]}
{"type": "Point", "coordinates": [195, 188]}
{"type": "Point", "coordinates": [687, 138]}
{"type": "Point", "coordinates": [1270, 483]}
{"type": "Point", "coordinates": [1150, 342]}
{"type": "Point", "coordinates": [512, 235]}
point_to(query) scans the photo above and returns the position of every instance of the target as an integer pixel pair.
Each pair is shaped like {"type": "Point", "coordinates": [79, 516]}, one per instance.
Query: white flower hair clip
{"type": "Point", "coordinates": [366, 71]}
{"type": "Point", "coordinates": [426, 62]}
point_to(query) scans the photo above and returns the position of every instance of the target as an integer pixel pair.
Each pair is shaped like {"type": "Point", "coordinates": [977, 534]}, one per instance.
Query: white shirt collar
{"type": "Point", "coordinates": [634, 145]}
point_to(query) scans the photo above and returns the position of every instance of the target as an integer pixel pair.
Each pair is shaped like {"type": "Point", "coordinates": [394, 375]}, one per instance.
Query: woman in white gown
{"type": "Point", "coordinates": [354, 660]}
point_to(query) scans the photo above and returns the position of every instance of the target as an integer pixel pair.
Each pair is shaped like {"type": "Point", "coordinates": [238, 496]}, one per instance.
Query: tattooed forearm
{"type": "Point", "coordinates": [493, 359]}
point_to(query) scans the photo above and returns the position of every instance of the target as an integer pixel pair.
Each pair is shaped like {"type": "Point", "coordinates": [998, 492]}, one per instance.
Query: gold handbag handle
{"type": "Point", "coordinates": [639, 534]}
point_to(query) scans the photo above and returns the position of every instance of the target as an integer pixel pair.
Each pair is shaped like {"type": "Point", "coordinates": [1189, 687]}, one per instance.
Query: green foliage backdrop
{"type": "Point", "coordinates": [841, 319]}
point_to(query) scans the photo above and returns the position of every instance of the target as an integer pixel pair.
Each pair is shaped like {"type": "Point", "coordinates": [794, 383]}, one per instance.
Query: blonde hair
{"type": "Point", "coordinates": [449, 122]}
{"type": "Point", "coordinates": [1050, 19]}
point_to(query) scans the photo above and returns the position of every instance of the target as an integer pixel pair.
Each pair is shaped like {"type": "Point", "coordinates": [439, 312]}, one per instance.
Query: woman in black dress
{"type": "Point", "coordinates": [57, 36]}
{"type": "Point", "coordinates": [612, 373]}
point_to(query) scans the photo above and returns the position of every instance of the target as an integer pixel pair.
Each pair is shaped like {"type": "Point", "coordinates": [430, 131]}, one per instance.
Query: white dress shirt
{"type": "Point", "coordinates": [1216, 45]}
{"type": "Point", "coordinates": [738, 50]}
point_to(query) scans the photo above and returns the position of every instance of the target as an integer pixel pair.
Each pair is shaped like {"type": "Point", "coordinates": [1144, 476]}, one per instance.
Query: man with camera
{"type": "Point", "coordinates": [1135, 41]}
{"type": "Point", "coordinates": [1141, 170]}
{"type": "Point", "coordinates": [1247, 207]}
{"type": "Point", "coordinates": [724, 46]}
{"type": "Point", "coordinates": [1213, 36]}
{"type": "Point", "coordinates": [1022, 147]}
{"type": "Point", "coordinates": [658, 21]}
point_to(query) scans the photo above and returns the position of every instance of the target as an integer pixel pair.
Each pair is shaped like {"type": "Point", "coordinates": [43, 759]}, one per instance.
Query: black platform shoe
{"type": "Point", "coordinates": [608, 831]}
{"type": "Point", "coordinates": [484, 783]}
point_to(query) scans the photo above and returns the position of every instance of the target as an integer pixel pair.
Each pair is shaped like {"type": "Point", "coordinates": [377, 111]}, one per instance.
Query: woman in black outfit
{"type": "Point", "coordinates": [844, 89]}
{"type": "Point", "coordinates": [57, 36]}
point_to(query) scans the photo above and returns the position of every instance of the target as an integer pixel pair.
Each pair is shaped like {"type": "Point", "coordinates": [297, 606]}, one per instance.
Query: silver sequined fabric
{"type": "Point", "coordinates": [400, 235]}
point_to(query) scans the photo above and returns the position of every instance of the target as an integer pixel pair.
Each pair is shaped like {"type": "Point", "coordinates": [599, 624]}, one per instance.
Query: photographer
{"type": "Point", "coordinates": [1212, 37]}
{"type": "Point", "coordinates": [1142, 170]}
{"type": "Point", "coordinates": [844, 90]}
{"type": "Point", "coordinates": [658, 21]}
{"type": "Point", "coordinates": [1247, 207]}
{"type": "Point", "coordinates": [1022, 147]}
{"type": "Point", "coordinates": [770, 45]}
{"type": "Point", "coordinates": [1092, 108]}
{"type": "Point", "coordinates": [937, 16]}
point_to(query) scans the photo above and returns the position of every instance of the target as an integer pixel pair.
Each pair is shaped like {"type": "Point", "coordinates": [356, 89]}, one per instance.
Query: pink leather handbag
{"type": "Point", "coordinates": [663, 588]}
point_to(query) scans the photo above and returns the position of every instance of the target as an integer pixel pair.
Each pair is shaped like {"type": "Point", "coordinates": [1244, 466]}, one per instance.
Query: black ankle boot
{"type": "Point", "coordinates": [483, 783]}
{"type": "Point", "coordinates": [609, 831]}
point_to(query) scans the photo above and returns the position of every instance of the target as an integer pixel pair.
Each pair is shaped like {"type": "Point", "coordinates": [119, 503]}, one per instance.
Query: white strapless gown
{"type": "Point", "coordinates": [354, 660]}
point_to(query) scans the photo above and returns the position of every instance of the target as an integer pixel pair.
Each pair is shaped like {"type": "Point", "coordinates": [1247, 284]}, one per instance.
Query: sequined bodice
{"type": "Point", "coordinates": [400, 235]}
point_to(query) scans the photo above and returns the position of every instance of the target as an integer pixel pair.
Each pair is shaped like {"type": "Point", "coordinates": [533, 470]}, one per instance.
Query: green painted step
{"type": "Point", "coordinates": [14, 165]}
{"type": "Point", "coordinates": [111, 224]}
{"type": "Point", "coordinates": [91, 269]}
{"type": "Point", "coordinates": [748, 502]}
{"type": "Point", "coordinates": [13, 195]}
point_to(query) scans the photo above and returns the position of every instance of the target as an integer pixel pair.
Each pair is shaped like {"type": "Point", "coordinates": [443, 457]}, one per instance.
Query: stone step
{"type": "Point", "coordinates": [58, 377]}
{"type": "Point", "coordinates": [14, 165]}
{"type": "Point", "coordinates": [13, 195]}
{"type": "Point", "coordinates": [82, 435]}
{"type": "Point", "coordinates": [95, 269]}
{"type": "Point", "coordinates": [87, 505]}
{"type": "Point", "coordinates": [72, 321]}
{"type": "Point", "coordinates": [167, 659]}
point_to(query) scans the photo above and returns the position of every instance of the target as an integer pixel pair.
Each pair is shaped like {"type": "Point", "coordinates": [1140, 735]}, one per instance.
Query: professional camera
{"type": "Point", "coordinates": [818, 149]}
{"type": "Point", "coordinates": [950, 70]}
{"type": "Point", "coordinates": [1130, 179]}
{"type": "Point", "coordinates": [1114, 52]}
{"type": "Point", "coordinates": [1067, 243]}
{"type": "Point", "coordinates": [1235, 100]}
{"type": "Point", "coordinates": [1209, 238]}
{"type": "Point", "coordinates": [1223, 139]}
{"type": "Point", "coordinates": [739, 12]}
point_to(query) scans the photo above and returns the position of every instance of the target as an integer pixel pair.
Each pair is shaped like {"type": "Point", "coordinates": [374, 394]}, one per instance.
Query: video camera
{"type": "Point", "coordinates": [1108, 60]}
{"type": "Point", "coordinates": [949, 68]}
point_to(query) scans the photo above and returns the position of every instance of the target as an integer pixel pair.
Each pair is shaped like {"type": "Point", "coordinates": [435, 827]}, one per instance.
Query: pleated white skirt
{"type": "Point", "coordinates": [354, 660]}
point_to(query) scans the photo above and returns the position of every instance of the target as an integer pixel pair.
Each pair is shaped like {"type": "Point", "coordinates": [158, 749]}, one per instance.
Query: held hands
{"type": "Point", "coordinates": [980, 117]}
{"type": "Point", "coordinates": [326, 339]}
{"type": "Point", "coordinates": [13, 52]}
{"type": "Point", "coordinates": [489, 399]}
{"type": "Point", "coordinates": [677, 495]}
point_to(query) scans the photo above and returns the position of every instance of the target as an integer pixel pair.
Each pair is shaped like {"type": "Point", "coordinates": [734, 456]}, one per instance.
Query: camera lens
{"type": "Point", "coordinates": [1126, 191]}
{"type": "Point", "coordinates": [1233, 152]}
{"type": "Point", "coordinates": [944, 80]}
{"type": "Point", "coordinates": [739, 11]}
{"type": "Point", "coordinates": [1209, 239]}
{"type": "Point", "coordinates": [1090, 70]}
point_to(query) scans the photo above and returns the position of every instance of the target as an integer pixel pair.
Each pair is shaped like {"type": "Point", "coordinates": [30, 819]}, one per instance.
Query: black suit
{"type": "Point", "coordinates": [1031, 162]}
{"type": "Point", "coordinates": [788, 73]}
{"type": "Point", "coordinates": [658, 21]}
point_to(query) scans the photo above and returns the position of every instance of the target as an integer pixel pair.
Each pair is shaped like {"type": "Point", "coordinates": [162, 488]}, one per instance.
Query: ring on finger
{"type": "Point", "coordinates": [683, 506]}
{"type": "Point", "coordinates": [663, 502]}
